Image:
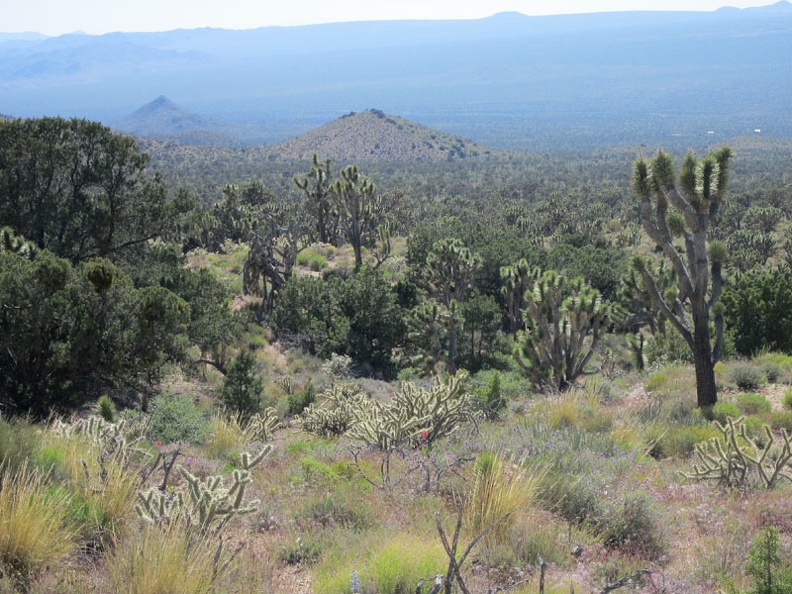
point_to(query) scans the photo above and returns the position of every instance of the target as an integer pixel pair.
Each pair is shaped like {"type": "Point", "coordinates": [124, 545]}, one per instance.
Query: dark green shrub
{"type": "Point", "coordinates": [242, 388]}
{"type": "Point", "coordinates": [300, 399]}
{"type": "Point", "coordinates": [491, 398]}
{"type": "Point", "coordinates": [753, 404]}
{"type": "Point", "coordinates": [747, 376]}
{"type": "Point", "coordinates": [771, 574]}
{"type": "Point", "coordinates": [178, 418]}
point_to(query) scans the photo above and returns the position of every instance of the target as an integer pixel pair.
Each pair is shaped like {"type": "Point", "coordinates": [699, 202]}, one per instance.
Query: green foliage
{"type": "Point", "coordinates": [93, 198]}
{"type": "Point", "coordinates": [242, 388]}
{"type": "Point", "coordinates": [69, 333]}
{"type": "Point", "coordinates": [312, 260]}
{"type": "Point", "coordinates": [19, 442]}
{"type": "Point", "coordinates": [756, 309]}
{"type": "Point", "coordinates": [334, 510]}
{"type": "Point", "coordinates": [105, 408]}
{"type": "Point", "coordinates": [633, 523]}
{"type": "Point", "coordinates": [300, 399]}
{"type": "Point", "coordinates": [722, 411]}
{"type": "Point", "coordinates": [788, 398]}
{"type": "Point", "coordinates": [177, 418]}
{"type": "Point", "coordinates": [358, 317]}
{"type": "Point", "coordinates": [753, 404]}
{"type": "Point", "coordinates": [33, 533]}
{"type": "Point", "coordinates": [301, 551]}
{"type": "Point", "coordinates": [492, 398]}
{"type": "Point", "coordinates": [771, 574]}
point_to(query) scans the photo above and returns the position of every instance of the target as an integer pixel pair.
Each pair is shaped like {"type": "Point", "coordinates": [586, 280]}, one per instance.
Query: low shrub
{"type": "Point", "coordinates": [747, 376]}
{"type": "Point", "coordinates": [788, 398]}
{"type": "Point", "coordinates": [753, 404]}
{"type": "Point", "coordinates": [333, 510]}
{"type": "Point", "coordinates": [632, 523]}
{"type": "Point", "coordinates": [679, 441]}
{"type": "Point", "coordinates": [311, 259]}
{"type": "Point", "coordinates": [301, 550]}
{"type": "Point", "coordinates": [723, 410]}
{"type": "Point", "coordinates": [178, 418]}
{"type": "Point", "coordinates": [781, 420]}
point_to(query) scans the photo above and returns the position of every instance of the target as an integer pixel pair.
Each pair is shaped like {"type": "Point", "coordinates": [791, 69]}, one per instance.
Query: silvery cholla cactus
{"type": "Point", "coordinates": [109, 438]}
{"type": "Point", "coordinates": [414, 415]}
{"type": "Point", "coordinates": [207, 505]}
{"type": "Point", "coordinates": [737, 460]}
{"type": "Point", "coordinates": [262, 425]}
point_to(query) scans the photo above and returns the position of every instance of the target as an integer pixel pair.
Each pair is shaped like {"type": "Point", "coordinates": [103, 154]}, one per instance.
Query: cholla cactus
{"type": "Point", "coordinates": [336, 414]}
{"type": "Point", "coordinates": [116, 439]}
{"type": "Point", "coordinates": [734, 459]}
{"type": "Point", "coordinates": [208, 505]}
{"type": "Point", "coordinates": [262, 425]}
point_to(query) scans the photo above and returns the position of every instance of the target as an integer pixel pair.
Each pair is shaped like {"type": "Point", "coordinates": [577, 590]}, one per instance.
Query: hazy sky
{"type": "Point", "coordinates": [54, 17]}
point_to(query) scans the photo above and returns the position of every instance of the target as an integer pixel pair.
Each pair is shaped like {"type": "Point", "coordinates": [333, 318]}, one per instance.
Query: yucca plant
{"type": "Point", "coordinates": [33, 530]}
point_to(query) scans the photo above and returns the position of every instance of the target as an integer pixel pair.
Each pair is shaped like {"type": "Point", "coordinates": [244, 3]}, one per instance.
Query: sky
{"type": "Point", "coordinates": [56, 17]}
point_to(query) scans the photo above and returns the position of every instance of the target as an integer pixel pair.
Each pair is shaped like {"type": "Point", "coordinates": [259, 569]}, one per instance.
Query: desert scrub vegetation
{"type": "Point", "coordinates": [590, 482]}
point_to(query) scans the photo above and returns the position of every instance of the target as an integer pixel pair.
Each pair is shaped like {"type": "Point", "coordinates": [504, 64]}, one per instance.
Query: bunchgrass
{"type": "Point", "coordinates": [34, 533]}
{"type": "Point", "coordinates": [499, 490]}
{"type": "Point", "coordinates": [162, 560]}
{"type": "Point", "coordinates": [226, 439]}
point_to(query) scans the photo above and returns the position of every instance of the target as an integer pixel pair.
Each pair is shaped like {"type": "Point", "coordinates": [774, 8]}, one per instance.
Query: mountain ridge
{"type": "Point", "coordinates": [549, 83]}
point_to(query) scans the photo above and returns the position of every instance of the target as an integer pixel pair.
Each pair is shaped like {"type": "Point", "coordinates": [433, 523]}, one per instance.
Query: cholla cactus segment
{"type": "Point", "coordinates": [117, 439]}
{"type": "Point", "coordinates": [262, 426]}
{"type": "Point", "coordinates": [736, 460]}
{"type": "Point", "coordinates": [206, 505]}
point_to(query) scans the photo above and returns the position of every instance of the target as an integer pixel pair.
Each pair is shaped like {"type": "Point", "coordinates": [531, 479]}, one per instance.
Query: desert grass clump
{"type": "Point", "coordinates": [101, 482]}
{"type": "Point", "coordinates": [34, 533]}
{"type": "Point", "coordinates": [787, 398]}
{"type": "Point", "coordinates": [500, 488]}
{"type": "Point", "coordinates": [226, 439]}
{"type": "Point", "coordinates": [723, 411]}
{"type": "Point", "coordinates": [163, 560]}
{"type": "Point", "coordinates": [19, 443]}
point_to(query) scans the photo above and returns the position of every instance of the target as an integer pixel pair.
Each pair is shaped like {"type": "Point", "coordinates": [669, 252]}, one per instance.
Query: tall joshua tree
{"type": "Point", "coordinates": [685, 208]}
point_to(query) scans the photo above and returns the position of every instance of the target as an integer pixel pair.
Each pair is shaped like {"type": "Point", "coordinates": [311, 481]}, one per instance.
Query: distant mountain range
{"type": "Point", "coordinates": [571, 82]}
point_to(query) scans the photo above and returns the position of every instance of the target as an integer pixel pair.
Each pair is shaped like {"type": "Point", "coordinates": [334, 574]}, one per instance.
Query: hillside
{"type": "Point", "coordinates": [372, 136]}
{"type": "Point", "coordinates": [163, 119]}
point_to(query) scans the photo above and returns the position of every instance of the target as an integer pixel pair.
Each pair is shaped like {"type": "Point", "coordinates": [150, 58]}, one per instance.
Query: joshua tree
{"type": "Point", "coordinates": [685, 208]}
{"type": "Point", "coordinates": [316, 185]}
{"type": "Point", "coordinates": [564, 321]}
{"type": "Point", "coordinates": [360, 210]}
